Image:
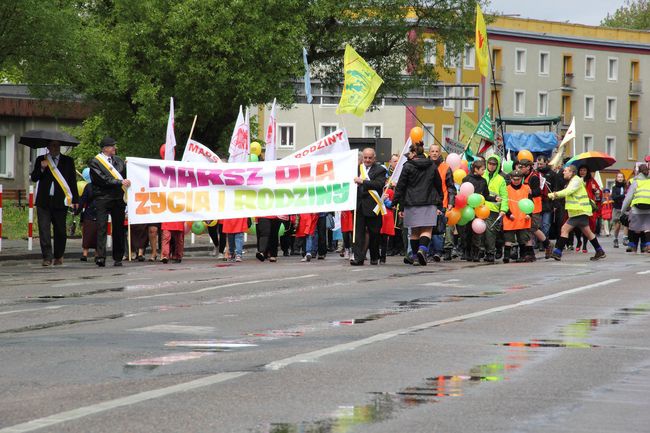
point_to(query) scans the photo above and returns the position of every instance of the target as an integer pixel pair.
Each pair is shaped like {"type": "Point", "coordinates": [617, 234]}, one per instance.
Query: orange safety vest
{"type": "Point", "coordinates": [442, 169]}
{"type": "Point", "coordinates": [520, 222]}
{"type": "Point", "coordinates": [537, 201]}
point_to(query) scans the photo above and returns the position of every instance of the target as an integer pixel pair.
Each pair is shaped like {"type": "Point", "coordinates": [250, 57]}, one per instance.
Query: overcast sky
{"type": "Point", "coordinates": [589, 12]}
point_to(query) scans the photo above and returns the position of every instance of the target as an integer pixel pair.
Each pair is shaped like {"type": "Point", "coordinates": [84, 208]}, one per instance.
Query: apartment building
{"type": "Point", "coordinates": [547, 68]}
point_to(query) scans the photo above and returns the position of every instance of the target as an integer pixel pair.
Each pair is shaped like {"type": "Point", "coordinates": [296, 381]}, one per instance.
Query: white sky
{"type": "Point", "coordinates": [589, 12]}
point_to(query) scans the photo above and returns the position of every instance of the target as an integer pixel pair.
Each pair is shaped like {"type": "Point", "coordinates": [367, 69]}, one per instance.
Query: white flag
{"type": "Point", "coordinates": [571, 132]}
{"type": "Point", "coordinates": [335, 142]}
{"type": "Point", "coordinates": [170, 141]}
{"type": "Point", "coordinates": [400, 164]}
{"type": "Point", "coordinates": [196, 152]}
{"type": "Point", "coordinates": [239, 142]}
{"type": "Point", "coordinates": [271, 136]}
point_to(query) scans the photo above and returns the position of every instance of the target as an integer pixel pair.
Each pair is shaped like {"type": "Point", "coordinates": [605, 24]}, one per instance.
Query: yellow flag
{"type": "Point", "coordinates": [360, 85]}
{"type": "Point", "coordinates": [481, 43]}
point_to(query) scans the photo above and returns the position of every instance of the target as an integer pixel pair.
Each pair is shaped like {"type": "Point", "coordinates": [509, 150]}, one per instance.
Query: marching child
{"type": "Point", "coordinates": [235, 228]}
{"type": "Point", "coordinates": [472, 241]}
{"type": "Point", "coordinates": [516, 224]}
{"type": "Point", "coordinates": [175, 230]}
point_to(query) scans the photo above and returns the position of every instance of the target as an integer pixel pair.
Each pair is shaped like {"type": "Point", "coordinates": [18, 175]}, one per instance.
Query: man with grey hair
{"type": "Point", "coordinates": [370, 185]}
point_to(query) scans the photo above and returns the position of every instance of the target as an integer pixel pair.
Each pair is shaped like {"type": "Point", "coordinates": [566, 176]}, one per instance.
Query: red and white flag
{"type": "Point", "coordinates": [197, 152]}
{"type": "Point", "coordinates": [240, 140]}
{"type": "Point", "coordinates": [170, 141]}
{"type": "Point", "coordinates": [271, 136]}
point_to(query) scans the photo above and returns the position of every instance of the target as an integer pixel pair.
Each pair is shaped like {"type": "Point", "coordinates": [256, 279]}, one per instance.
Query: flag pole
{"type": "Point", "coordinates": [192, 129]}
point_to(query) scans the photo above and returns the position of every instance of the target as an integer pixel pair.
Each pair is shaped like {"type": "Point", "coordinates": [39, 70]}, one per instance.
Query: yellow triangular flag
{"type": "Point", "coordinates": [360, 85]}
{"type": "Point", "coordinates": [481, 43]}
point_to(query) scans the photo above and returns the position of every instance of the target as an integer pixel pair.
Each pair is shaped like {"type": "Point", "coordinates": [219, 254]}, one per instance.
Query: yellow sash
{"type": "Point", "coordinates": [58, 176]}
{"type": "Point", "coordinates": [112, 171]}
{"type": "Point", "coordinates": [381, 207]}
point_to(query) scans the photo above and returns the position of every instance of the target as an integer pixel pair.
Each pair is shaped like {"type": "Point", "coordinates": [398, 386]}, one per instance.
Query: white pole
{"type": "Point", "coordinates": [30, 221]}
{"type": "Point", "coordinates": [192, 238]}
{"type": "Point", "coordinates": [109, 233]}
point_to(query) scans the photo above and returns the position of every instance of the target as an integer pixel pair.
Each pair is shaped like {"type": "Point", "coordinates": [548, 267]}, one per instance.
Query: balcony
{"type": "Point", "coordinates": [567, 81]}
{"type": "Point", "coordinates": [636, 89]}
{"type": "Point", "coordinates": [498, 75]}
{"type": "Point", "coordinates": [634, 128]}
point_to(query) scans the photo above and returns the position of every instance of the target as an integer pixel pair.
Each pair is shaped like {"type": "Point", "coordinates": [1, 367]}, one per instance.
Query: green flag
{"type": "Point", "coordinates": [484, 128]}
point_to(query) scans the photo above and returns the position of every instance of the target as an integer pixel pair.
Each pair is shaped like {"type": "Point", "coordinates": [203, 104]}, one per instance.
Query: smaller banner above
{"type": "Point", "coordinates": [196, 152]}
{"type": "Point", "coordinates": [337, 141]}
{"type": "Point", "coordinates": [168, 191]}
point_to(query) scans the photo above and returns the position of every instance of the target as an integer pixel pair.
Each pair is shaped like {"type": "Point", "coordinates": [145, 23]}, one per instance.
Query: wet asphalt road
{"type": "Point", "coordinates": [207, 346]}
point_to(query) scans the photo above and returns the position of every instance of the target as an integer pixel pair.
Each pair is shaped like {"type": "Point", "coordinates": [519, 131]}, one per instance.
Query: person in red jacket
{"type": "Point", "coordinates": [387, 225]}
{"type": "Point", "coordinates": [347, 226]}
{"type": "Point", "coordinates": [235, 229]}
{"type": "Point", "coordinates": [175, 230]}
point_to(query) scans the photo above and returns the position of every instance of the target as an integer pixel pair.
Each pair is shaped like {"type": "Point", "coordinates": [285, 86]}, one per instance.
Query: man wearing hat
{"type": "Point", "coordinates": [107, 172]}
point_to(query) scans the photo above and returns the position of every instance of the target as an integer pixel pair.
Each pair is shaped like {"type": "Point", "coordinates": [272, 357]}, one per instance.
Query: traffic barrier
{"type": "Point", "coordinates": [30, 220]}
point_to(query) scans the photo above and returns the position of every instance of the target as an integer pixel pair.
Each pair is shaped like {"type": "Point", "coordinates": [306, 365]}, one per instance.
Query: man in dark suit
{"type": "Point", "coordinates": [367, 219]}
{"type": "Point", "coordinates": [52, 200]}
{"type": "Point", "coordinates": [108, 172]}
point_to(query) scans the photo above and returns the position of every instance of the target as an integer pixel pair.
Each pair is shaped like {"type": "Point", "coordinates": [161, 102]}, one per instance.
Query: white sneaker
{"type": "Point", "coordinates": [221, 257]}
{"type": "Point", "coordinates": [346, 253]}
{"type": "Point", "coordinates": [307, 258]}
{"type": "Point", "coordinates": [213, 252]}
{"type": "Point", "coordinates": [238, 258]}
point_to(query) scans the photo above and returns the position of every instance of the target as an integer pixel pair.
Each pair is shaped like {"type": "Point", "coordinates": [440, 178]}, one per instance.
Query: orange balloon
{"type": "Point", "coordinates": [417, 134]}
{"type": "Point", "coordinates": [453, 216]}
{"type": "Point", "coordinates": [482, 212]}
{"type": "Point", "coordinates": [525, 154]}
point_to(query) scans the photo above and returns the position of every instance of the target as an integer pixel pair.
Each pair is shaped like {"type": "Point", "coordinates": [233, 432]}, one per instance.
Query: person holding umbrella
{"type": "Point", "coordinates": [107, 172]}
{"type": "Point", "coordinates": [578, 207]}
{"type": "Point", "coordinates": [56, 190]}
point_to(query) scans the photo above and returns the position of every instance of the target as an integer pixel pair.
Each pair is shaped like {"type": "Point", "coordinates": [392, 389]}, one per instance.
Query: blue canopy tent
{"type": "Point", "coordinates": [539, 143]}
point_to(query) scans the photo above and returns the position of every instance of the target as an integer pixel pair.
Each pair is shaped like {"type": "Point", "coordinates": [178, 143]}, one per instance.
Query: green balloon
{"type": "Point", "coordinates": [526, 205]}
{"type": "Point", "coordinates": [253, 158]}
{"type": "Point", "coordinates": [252, 229]}
{"type": "Point", "coordinates": [281, 232]}
{"type": "Point", "coordinates": [507, 167]}
{"type": "Point", "coordinates": [474, 200]}
{"type": "Point", "coordinates": [466, 215]}
{"type": "Point", "coordinates": [198, 227]}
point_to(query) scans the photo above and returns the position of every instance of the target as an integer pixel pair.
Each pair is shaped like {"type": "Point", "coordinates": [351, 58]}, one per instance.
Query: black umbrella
{"type": "Point", "coordinates": [37, 138]}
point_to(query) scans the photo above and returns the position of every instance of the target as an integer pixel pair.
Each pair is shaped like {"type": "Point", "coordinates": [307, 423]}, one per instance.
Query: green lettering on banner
{"type": "Point", "coordinates": [299, 193]}
{"type": "Point", "coordinates": [340, 192]}
{"type": "Point", "coordinates": [283, 198]}
{"type": "Point", "coordinates": [311, 191]}
{"type": "Point", "coordinates": [323, 194]}
{"type": "Point", "coordinates": [245, 199]}
{"type": "Point", "coordinates": [265, 198]}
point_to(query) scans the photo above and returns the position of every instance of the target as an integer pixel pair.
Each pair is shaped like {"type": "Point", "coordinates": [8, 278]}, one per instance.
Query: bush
{"type": "Point", "coordinates": [14, 221]}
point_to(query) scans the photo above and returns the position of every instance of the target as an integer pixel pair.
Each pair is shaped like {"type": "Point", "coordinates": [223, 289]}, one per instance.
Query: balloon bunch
{"type": "Point", "coordinates": [458, 166]}
{"type": "Point", "coordinates": [256, 151]}
{"type": "Point", "coordinates": [469, 207]}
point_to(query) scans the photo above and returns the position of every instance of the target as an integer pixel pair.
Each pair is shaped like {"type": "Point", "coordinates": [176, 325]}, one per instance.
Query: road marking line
{"type": "Point", "coordinates": [222, 286]}
{"type": "Point", "coordinates": [120, 402]}
{"type": "Point", "coordinates": [643, 272]}
{"type": "Point", "coordinates": [177, 329]}
{"type": "Point", "coordinates": [276, 365]}
{"type": "Point", "coordinates": [313, 356]}
{"type": "Point", "coordinates": [168, 359]}
{"type": "Point", "coordinates": [54, 307]}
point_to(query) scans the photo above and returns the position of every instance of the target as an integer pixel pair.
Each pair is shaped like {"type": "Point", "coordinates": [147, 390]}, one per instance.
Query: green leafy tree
{"type": "Point", "coordinates": [214, 55]}
{"type": "Point", "coordinates": [634, 15]}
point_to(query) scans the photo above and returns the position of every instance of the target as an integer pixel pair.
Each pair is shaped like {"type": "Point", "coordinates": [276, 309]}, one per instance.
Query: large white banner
{"type": "Point", "coordinates": [197, 152]}
{"type": "Point", "coordinates": [337, 141]}
{"type": "Point", "coordinates": [164, 191]}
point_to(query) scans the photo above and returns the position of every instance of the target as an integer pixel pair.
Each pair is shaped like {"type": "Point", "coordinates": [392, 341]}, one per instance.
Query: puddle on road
{"type": "Point", "coordinates": [79, 294]}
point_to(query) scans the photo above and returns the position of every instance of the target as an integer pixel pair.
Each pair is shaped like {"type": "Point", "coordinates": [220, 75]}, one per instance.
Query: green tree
{"type": "Point", "coordinates": [214, 55]}
{"type": "Point", "coordinates": [634, 15]}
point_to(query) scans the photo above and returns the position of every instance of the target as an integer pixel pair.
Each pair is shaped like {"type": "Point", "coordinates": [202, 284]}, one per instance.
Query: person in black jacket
{"type": "Point", "coordinates": [618, 195]}
{"type": "Point", "coordinates": [366, 217]}
{"type": "Point", "coordinates": [107, 172]}
{"type": "Point", "coordinates": [551, 183]}
{"type": "Point", "coordinates": [419, 193]}
{"type": "Point", "coordinates": [51, 201]}
{"type": "Point", "coordinates": [472, 241]}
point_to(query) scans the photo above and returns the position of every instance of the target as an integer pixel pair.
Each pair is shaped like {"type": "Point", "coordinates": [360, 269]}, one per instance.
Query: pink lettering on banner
{"type": "Point", "coordinates": [185, 178]}
{"type": "Point", "coordinates": [286, 174]}
{"type": "Point", "coordinates": [233, 176]}
{"type": "Point", "coordinates": [162, 177]}
{"type": "Point", "coordinates": [254, 177]}
{"type": "Point", "coordinates": [207, 177]}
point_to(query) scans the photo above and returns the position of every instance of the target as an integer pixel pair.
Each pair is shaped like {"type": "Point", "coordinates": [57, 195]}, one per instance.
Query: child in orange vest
{"type": "Point", "coordinates": [516, 224]}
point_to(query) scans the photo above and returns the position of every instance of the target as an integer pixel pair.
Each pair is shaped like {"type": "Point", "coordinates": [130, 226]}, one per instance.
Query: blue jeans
{"type": "Point", "coordinates": [547, 217]}
{"type": "Point", "coordinates": [311, 244]}
{"type": "Point", "coordinates": [236, 243]}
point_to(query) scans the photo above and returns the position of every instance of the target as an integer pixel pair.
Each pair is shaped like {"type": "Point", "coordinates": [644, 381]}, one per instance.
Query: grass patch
{"type": "Point", "coordinates": [15, 218]}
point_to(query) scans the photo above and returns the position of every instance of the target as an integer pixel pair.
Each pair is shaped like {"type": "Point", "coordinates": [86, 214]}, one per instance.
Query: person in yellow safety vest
{"type": "Point", "coordinates": [498, 205]}
{"type": "Point", "coordinates": [579, 209]}
{"type": "Point", "coordinates": [637, 200]}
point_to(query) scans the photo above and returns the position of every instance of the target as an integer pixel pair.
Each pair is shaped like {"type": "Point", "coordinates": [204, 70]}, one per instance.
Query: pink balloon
{"type": "Point", "coordinates": [453, 159]}
{"type": "Point", "coordinates": [478, 226]}
{"type": "Point", "coordinates": [467, 189]}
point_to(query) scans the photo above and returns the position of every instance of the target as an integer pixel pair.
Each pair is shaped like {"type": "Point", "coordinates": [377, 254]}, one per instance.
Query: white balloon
{"type": "Point", "coordinates": [453, 160]}
{"type": "Point", "coordinates": [467, 189]}
{"type": "Point", "coordinates": [478, 226]}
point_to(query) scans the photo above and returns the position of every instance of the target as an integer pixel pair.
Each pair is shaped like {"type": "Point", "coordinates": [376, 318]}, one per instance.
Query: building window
{"type": "Point", "coordinates": [468, 104]}
{"type": "Point", "coordinates": [430, 52]}
{"type": "Point", "coordinates": [542, 103]}
{"type": "Point", "coordinates": [520, 102]}
{"type": "Point", "coordinates": [520, 61]}
{"type": "Point", "coordinates": [631, 150]}
{"type": "Point", "coordinates": [612, 69]}
{"type": "Point", "coordinates": [447, 132]}
{"type": "Point", "coordinates": [451, 59]}
{"type": "Point", "coordinates": [611, 108]}
{"type": "Point", "coordinates": [287, 136]}
{"type": "Point", "coordinates": [610, 146]}
{"type": "Point", "coordinates": [7, 156]}
{"type": "Point", "coordinates": [429, 131]}
{"type": "Point", "coordinates": [372, 131]}
{"type": "Point", "coordinates": [590, 68]}
{"type": "Point", "coordinates": [327, 129]}
{"type": "Point", "coordinates": [469, 57]}
{"type": "Point", "coordinates": [589, 107]}
{"type": "Point", "coordinates": [448, 104]}
{"type": "Point", "coordinates": [544, 59]}
{"type": "Point", "coordinates": [587, 143]}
